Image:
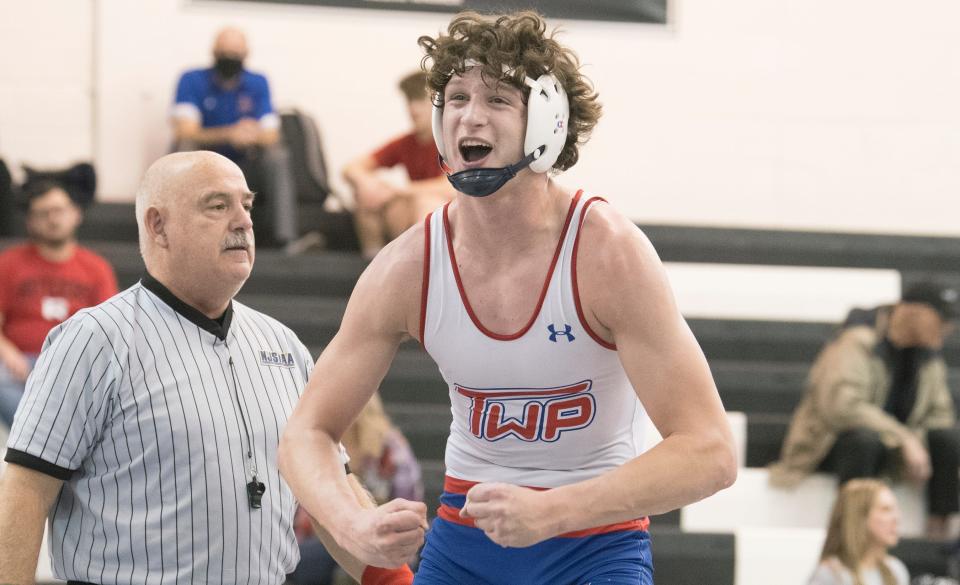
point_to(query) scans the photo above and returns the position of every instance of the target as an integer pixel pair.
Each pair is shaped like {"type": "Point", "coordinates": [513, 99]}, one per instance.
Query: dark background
{"type": "Point", "coordinates": [648, 11]}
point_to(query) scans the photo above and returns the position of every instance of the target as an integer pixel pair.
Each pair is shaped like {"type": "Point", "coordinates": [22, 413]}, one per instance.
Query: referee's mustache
{"type": "Point", "coordinates": [238, 240]}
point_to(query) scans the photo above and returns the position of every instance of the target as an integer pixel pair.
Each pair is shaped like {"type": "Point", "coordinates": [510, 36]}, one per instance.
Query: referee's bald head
{"type": "Point", "coordinates": [193, 218]}
{"type": "Point", "coordinates": [168, 176]}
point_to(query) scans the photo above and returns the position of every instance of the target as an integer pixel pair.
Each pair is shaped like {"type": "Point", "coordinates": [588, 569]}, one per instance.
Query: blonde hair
{"type": "Point", "coordinates": [365, 438]}
{"type": "Point", "coordinates": [847, 536]}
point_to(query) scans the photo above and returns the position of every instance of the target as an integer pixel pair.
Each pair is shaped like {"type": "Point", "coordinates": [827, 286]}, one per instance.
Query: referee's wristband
{"type": "Point", "coordinates": [377, 576]}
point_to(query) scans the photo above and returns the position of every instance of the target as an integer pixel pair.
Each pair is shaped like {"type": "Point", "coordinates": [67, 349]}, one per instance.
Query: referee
{"type": "Point", "coordinates": [149, 429]}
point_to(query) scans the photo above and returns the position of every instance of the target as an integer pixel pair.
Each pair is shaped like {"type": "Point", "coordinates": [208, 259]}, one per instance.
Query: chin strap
{"type": "Point", "coordinates": [486, 181]}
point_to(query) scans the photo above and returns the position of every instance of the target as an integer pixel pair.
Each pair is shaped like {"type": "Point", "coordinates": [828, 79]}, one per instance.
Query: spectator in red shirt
{"type": "Point", "coordinates": [45, 281]}
{"type": "Point", "coordinates": [383, 210]}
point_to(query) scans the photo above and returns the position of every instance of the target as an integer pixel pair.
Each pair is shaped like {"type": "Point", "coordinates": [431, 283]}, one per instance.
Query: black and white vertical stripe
{"type": "Point", "coordinates": [133, 403]}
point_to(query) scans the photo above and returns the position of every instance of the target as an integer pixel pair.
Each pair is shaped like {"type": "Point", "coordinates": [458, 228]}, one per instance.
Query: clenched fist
{"type": "Point", "coordinates": [508, 514]}
{"type": "Point", "coordinates": [389, 535]}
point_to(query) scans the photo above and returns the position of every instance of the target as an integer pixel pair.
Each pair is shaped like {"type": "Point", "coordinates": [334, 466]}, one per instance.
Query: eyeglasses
{"type": "Point", "coordinates": [52, 212]}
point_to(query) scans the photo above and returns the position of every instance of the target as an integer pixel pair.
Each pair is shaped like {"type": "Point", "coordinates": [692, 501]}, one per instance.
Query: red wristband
{"type": "Point", "coordinates": [377, 576]}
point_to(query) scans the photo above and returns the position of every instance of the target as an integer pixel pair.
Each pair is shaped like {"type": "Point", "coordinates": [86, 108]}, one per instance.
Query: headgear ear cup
{"type": "Point", "coordinates": [548, 112]}
{"type": "Point", "coordinates": [438, 130]}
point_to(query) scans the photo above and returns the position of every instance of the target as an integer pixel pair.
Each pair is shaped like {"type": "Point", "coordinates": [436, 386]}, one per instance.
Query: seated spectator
{"type": "Point", "coordinates": [383, 210]}
{"type": "Point", "coordinates": [227, 109]}
{"type": "Point", "coordinates": [44, 282]}
{"type": "Point", "coordinates": [877, 403]}
{"type": "Point", "coordinates": [864, 526]}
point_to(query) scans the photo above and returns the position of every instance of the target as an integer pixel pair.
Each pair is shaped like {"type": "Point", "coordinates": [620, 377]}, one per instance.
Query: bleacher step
{"type": "Point", "coordinates": [753, 502]}
{"type": "Point", "coordinates": [679, 243]}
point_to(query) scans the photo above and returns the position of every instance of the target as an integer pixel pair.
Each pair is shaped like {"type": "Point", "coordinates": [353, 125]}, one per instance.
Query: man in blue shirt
{"type": "Point", "coordinates": [227, 109]}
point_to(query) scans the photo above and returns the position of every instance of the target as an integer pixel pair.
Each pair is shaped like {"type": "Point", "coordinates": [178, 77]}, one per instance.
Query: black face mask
{"type": "Point", "coordinates": [228, 68]}
{"type": "Point", "coordinates": [483, 182]}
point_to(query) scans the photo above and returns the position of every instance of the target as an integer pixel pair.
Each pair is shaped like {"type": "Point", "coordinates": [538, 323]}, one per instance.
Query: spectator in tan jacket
{"type": "Point", "coordinates": [877, 403]}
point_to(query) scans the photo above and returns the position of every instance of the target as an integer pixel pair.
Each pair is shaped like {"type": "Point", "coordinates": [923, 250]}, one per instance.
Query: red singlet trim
{"type": "Point", "coordinates": [425, 284]}
{"type": "Point", "coordinates": [573, 273]}
{"type": "Point", "coordinates": [452, 485]}
{"type": "Point", "coordinates": [543, 291]}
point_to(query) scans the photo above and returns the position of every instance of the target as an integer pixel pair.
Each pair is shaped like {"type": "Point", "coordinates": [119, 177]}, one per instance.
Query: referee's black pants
{"type": "Point", "coordinates": [860, 453]}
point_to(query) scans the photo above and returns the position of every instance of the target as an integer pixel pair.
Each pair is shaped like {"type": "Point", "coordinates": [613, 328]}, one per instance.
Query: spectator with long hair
{"type": "Point", "coordinates": [864, 526]}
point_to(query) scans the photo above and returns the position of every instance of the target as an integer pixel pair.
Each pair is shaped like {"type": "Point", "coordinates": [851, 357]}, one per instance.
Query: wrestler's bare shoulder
{"type": "Point", "coordinates": [610, 243]}
{"type": "Point", "coordinates": [620, 276]}
{"type": "Point", "coordinates": [390, 286]}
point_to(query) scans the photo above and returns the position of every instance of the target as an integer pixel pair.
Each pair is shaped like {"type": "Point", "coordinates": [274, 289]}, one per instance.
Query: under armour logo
{"type": "Point", "coordinates": [566, 331]}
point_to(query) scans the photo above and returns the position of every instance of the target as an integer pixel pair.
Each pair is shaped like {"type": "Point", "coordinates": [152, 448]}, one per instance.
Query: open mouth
{"type": "Point", "coordinates": [474, 150]}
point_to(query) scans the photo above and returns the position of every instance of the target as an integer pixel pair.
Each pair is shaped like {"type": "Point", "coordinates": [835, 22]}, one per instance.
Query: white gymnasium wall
{"type": "Point", "coordinates": [46, 82]}
{"type": "Point", "coordinates": [792, 293]}
{"type": "Point", "coordinates": [770, 113]}
{"type": "Point", "coordinates": [305, 51]}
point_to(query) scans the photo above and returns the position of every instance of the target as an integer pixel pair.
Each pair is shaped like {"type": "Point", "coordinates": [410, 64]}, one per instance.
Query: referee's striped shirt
{"type": "Point", "coordinates": [134, 404]}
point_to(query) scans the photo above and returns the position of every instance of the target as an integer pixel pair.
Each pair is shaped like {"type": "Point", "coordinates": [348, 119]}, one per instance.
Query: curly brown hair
{"type": "Point", "coordinates": [510, 48]}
